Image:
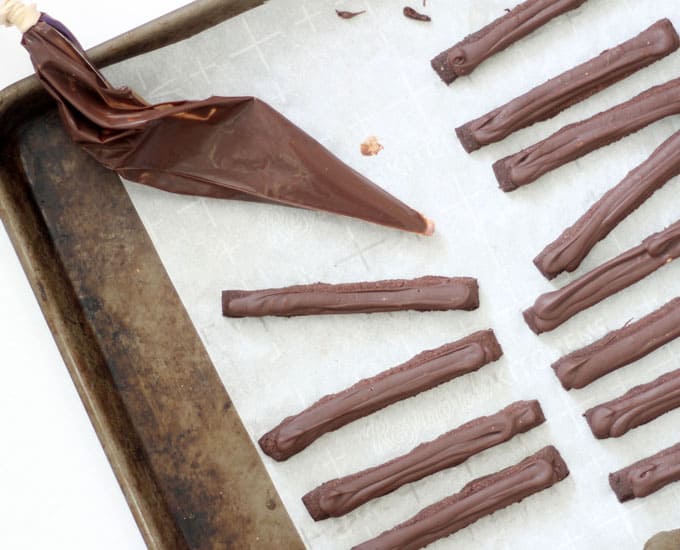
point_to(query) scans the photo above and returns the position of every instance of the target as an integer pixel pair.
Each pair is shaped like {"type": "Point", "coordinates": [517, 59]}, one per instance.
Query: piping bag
{"type": "Point", "coordinates": [221, 147]}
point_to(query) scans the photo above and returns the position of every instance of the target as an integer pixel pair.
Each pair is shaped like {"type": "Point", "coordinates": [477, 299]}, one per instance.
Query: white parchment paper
{"type": "Point", "coordinates": [342, 81]}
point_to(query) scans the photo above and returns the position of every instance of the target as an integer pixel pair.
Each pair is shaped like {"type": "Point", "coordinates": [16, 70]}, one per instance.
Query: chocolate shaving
{"type": "Point", "coordinates": [413, 14]}
{"type": "Point", "coordinates": [423, 372]}
{"type": "Point", "coordinates": [337, 497]}
{"type": "Point", "coordinates": [349, 14]}
{"type": "Point", "coordinates": [620, 347]}
{"type": "Point", "coordinates": [554, 308]}
{"type": "Point", "coordinates": [563, 91]}
{"type": "Point", "coordinates": [647, 476]}
{"type": "Point", "coordinates": [479, 498]}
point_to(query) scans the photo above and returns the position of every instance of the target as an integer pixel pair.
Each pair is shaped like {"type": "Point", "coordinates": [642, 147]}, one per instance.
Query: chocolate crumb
{"type": "Point", "coordinates": [413, 14]}
{"type": "Point", "coordinates": [371, 146]}
{"type": "Point", "coordinates": [349, 14]}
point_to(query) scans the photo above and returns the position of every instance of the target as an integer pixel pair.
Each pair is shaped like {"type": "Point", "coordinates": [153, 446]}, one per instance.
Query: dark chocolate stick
{"type": "Point", "coordinates": [479, 498]}
{"type": "Point", "coordinates": [636, 407]}
{"type": "Point", "coordinates": [421, 294]}
{"type": "Point", "coordinates": [647, 476]}
{"type": "Point", "coordinates": [423, 372]}
{"type": "Point", "coordinates": [554, 308]}
{"type": "Point", "coordinates": [620, 347]}
{"type": "Point", "coordinates": [559, 93]}
{"type": "Point", "coordinates": [578, 139]}
{"type": "Point", "coordinates": [464, 57]}
{"type": "Point", "coordinates": [568, 251]}
{"type": "Point", "coordinates": [337, 497]}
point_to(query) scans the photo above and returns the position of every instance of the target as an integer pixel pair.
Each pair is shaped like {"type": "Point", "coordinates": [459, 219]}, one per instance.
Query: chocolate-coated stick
{"type": "Point", "coordinates": [563, 91]}
{"type": "Point", "coordinates": [464, 57]}
{"type": "Point", "coordinates": [428, 293]}
{"type": "Point", "coordinates": [479, 498]}
{"type": "Point", "coordinates": [554, 308]}
{"type": "Point", "coordinates": [423, 372]}
{"type": "Point", "coordinates": [339, 496]}
{"type": "Point", "coordinates": [578, 139]}
{"type": "Point", "coordinates": [636, 407]}
{"type": "Point", "coordinates": [568, 251]}
{"type": "Point", "coordinates": [647, 476]}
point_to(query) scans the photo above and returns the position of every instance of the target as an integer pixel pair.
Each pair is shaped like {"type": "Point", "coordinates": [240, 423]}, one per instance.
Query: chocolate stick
{"type": "Point", "coordinates": [479, 498]}
{"type": "Point", "coordinates": [421, 294]}
{"type": "Point", "coordinates": [464, 57]}
{"type": "Point", "coordinates": [554, 308]}
{"type": "Point", "coordinates": [568, 251]}
{"type": "Point", "coordinates": [620, 347]}
{"type": "Point", "coordinates": [647, 476]}
{"type": "Point", "coordinates": [578, 139]}
{"type": "Point", "coordinates": [563, 91]}
{"type": "Point", "coordinates": [337, 497]}
{"type": "Point", "coordinates": [423, 372]}
{"type": "Point", "coordinates": [638, 406]}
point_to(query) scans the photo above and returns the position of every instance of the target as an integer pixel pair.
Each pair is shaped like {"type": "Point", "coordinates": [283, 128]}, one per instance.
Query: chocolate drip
{"type": "Point", "coordinates": [479, 498]}
{"type": "Point", "coordinates": [557, 94]}
{"type": "Point", "coordinates": [638, 406]}
{"type": "Point", "coordinates": [423, 372]}
{"type": "Point", "coordinates": [576, 140]}
{"type": "Point", "coordinates": [421, 294]}
{"type": "Point", "coordinates": [647, 476]}
{"type": "Point", "coordinates": [568, 251]}
{"type": "Point", "coordinates": [620, 347]}
{"type": "Point", "coordinates": [340, 496]}
{"type": "Point", "coordinates": [554, 308]}
{"type": "Point", "coordinates": [464, 57]}
{"type": "Point", "coordinates": [220, 147]}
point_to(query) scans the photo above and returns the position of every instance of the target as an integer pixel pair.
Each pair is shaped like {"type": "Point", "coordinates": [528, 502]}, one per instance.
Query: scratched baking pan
{"type": "Point", "coordinates": [189, 472]}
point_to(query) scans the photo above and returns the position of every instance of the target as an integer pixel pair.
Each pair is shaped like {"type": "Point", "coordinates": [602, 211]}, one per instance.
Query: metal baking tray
{"type": "Point", "coordinates": [186, 465]}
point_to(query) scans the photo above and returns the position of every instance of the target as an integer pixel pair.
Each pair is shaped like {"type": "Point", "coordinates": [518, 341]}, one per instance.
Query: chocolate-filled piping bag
{"type": "Point", "coordinates": [221, 147]}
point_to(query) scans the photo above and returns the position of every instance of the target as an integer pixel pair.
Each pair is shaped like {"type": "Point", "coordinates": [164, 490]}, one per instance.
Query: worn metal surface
{"type": "Point", "coordinates": [186, 465]}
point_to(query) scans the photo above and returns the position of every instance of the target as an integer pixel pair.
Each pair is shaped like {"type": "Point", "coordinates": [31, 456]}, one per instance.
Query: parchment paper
{"type": "Point", "coordinates": [342, 81]}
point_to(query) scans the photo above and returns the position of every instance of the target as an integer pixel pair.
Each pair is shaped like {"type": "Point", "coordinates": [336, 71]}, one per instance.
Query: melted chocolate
{"type": "Point", "coordinates": [340, 496]}
{"type": "Point", "coordinates": [421, 294]}
{"type": "Point", "coordinates": [554, 308]}
{"type": "Point", "coordinates": [479, 498]}
{"type": "Point", "coordinates": [413, 14]}
{"type": "Point", "coordinates": [423, 372]}
{"type": "Point", "coordinates": [549, 99]}
{"type": "Point", "coordinates": [638, 406]}
{"type": "Point", "coordinates": [576, 140]}
{"type": "Point", "coordinates": [464, 57]}
{"type": "Point", "coordinates": [620, 347]}
{"type": "Point", "coordinates": [230, 148]}
{"type": "Point", "coordinates": [568, 251]}
{"type": "Point", "coordinates": [647, 476]}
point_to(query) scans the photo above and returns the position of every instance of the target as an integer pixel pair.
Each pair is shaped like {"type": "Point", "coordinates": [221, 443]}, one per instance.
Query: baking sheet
{"type": "Point", "coordinates": [342, 81]}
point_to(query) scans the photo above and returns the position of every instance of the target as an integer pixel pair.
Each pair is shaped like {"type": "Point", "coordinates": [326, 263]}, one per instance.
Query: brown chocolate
{"type": "Point", "coordinates": [620, 347]}
{"type": "Point", "coordinates": [464, 57]}
{"type": "Point", "coordinates": [568, 251]}
{"type": "Point", "coordinates": [348, 14]}
{"type": "Point", "coordinates": [636, 407]}
{"type": "Point", "coordinates": [578, 139]}
{"type": "Point", "coordinates": [230, 148]}
{"type": "Point", "coordinates": [665, 540]}
{"type": "Point", "coordinates": [479, 498]}
{"type": "Point", "coordinates": [337, 497]}
{"type": "Point", "coordinates": [413, 14]}
{"type": "Point", "coordinates": [423, 372]}
{"type": "Point", "coordinates": [559, 93]}
{"type": "Point", "coordinates": [647, 476]}
{"type": "Point", "coordinates": [422, 294]}
{"type": "Point", "coordinates": [554, 308]}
